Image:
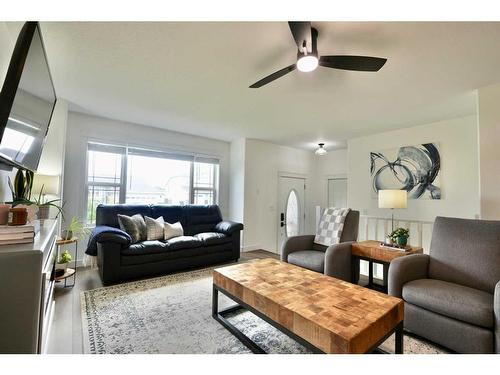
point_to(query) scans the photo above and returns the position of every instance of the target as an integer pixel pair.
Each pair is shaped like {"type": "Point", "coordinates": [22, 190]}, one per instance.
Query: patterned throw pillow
{"type": "Point", "coordinates": [154, 228]}
{"type": "Point", "coordinates": [173, 230]}
{"type": "Point", "coordinates": [135, 226]}
{"type": "Point", "coordinates": [331, 226]}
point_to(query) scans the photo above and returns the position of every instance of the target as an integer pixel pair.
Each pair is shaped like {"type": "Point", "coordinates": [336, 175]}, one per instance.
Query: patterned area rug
{"type": "Point", "coordinates": [172, 314]}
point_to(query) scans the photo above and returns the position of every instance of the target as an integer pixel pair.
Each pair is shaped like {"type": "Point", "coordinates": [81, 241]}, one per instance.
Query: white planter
{"type": "Point", "coordinates": [61, 266]}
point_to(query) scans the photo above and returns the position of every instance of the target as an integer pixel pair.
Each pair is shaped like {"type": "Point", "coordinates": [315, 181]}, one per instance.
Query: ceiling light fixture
{"type": "Point", "coordinates": [320, 150]}
{"type": "Point", "coordinates": [307, 63]}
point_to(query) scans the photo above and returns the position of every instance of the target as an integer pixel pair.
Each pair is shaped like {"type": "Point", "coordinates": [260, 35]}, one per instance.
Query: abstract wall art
{"type": "Point", "coordinates": [412, 168]}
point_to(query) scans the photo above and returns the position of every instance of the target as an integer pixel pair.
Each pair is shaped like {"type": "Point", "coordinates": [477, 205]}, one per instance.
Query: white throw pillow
{"type": "Point", "coordinates": [173, 230]}
{"type": "Point", "coordinates": [154, 228]}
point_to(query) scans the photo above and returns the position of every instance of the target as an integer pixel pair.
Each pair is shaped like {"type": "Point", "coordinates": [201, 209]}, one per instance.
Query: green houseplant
{"type": "Point", "coordinates": [75, 228]}
{"type": "Point", "coordinates": [21, 191]}
{"type": "Point", "coordinates": [21, 188]}
{"type": "Point", "coordinates": [44, 206]}
{"type": "Point", "coordinates": [64, 258]}
{"type": "Point", "coordinates": [400, 236]}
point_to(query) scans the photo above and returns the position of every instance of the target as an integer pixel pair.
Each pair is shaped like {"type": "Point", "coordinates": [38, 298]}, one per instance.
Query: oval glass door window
{"type": "Point", "coordinates": [292, 214]}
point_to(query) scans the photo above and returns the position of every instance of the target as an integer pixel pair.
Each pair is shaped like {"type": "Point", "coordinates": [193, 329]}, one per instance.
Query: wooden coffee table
{"type": "Point", "coordinates": [372, 252]}
{"type": "Point", "coordinates": [322, 313]}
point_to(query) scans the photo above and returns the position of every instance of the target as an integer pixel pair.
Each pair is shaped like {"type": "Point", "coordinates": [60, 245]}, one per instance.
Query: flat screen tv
{"type": "Point", "coordinates": [27, 101]}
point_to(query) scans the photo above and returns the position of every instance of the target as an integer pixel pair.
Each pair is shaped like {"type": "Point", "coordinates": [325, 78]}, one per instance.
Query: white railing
{"type": "Point", "coordinates": [377, 228]}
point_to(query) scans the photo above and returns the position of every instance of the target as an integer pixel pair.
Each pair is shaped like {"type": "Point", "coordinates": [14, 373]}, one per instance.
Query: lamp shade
{"type": "Point", "coordinates": [392, 198]}
{"type": "Point", "coordinates": [50, 184]}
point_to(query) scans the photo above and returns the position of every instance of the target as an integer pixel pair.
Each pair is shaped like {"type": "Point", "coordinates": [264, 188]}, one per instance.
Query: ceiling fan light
{"type": "Point", "coordinates": [320, 150]}
{"type": "Point", "coordinates": [307, 63]}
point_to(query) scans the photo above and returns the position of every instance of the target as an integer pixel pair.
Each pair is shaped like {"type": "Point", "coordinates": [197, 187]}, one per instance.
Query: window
{"type": "Point", "coordinates": [204, 182]}
{"type": "Point", "coordinates": [118, 174]}
{"type": "Point", "coordinates": [292, 214]}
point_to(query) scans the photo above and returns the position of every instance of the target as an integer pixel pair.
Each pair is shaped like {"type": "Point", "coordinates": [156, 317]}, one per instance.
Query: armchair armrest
{"type": "Point", "coordinates": [228, 227]}
{"type": "Point", "coordinates": [296, 243]}
{"type": "Point", "coordinates": [496, 311]}
{"type": "Point", "coordinates": [103, 233]}
{"type": "Point", "coordinates": [338, 261]}
{"type": "Point", "coordinates": [406, 269]}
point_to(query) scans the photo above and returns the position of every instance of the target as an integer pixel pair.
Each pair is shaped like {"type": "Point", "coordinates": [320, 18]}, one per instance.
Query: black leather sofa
{"type": "Point", "coordinates": [207, 240]}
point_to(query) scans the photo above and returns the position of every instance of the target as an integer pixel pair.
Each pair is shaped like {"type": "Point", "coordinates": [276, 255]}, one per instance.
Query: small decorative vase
{"type": "Point", "coordinates": [43, 212]}
{"type": "Point", "coordinates": [67, 235]}
{"type": "Point", "coordinates": [4, 213]}
{"type": "Point", "coordinates": [402, 241]}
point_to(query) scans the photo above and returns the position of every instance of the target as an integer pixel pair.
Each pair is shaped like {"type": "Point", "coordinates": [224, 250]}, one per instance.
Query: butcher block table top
{"type": "Point", "coordinates": [333, 315]}
{"type": "Point", "coordinates": [372, 250]}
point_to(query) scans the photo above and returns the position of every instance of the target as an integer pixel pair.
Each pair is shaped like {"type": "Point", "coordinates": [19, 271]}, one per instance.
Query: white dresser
{"type": "Point", "coordinates": [26, 292]}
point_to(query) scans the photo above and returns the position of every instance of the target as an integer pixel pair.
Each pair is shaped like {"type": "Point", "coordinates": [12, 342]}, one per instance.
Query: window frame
{"type": "Point", "coordinates": [125, 150]}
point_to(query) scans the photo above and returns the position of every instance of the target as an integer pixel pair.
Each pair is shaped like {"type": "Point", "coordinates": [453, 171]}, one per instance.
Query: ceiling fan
{"type": "Point", "coordinates": [308, 59]}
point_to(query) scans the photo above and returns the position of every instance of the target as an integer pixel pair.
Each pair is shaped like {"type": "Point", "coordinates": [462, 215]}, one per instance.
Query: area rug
{"type": "Point", "coordinates": [172, 314]}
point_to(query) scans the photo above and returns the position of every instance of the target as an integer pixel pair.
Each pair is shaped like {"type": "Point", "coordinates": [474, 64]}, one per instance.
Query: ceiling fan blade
{"type": "Point", "coordinates": [359, 63]}
{"type": "Point", "coordinates": [301, 32]}
{"type": "Point", "coordinates": [272, 77]}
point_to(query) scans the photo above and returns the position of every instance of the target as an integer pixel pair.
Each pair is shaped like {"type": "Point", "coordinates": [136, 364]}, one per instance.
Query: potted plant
{"type": "Point", "coordinates": [75, 228]}
{"type": "Point", "coordinates": [400, 236]}
{"type": "Point", "coordinates": [21, 195]}
{"type": "Point", "coordinates": [44, 207]}
{"type": "Point", "coordinates": [64, 259]}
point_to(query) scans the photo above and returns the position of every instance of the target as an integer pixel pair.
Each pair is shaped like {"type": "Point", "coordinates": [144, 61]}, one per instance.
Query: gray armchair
{"type": "Point", "coordinates": [334, 260]}
{"type": "Point", "coordinates": [452, 297]}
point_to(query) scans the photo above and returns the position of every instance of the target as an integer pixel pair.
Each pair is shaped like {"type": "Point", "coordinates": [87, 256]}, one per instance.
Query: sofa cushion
{"type": "Point", "coordinates": [452, 300]}
{"type": "Point", "coordinates": [146, 247]}
{"type": "Point", "coordinates": [172, 230]}
{"type": "Point", "coordinates": [154, 228]}
{"type": "Point", "coordinates": [183, 242]}
{"type": "Point", "coordinates": [170, 213]}
{"type": "Point", "coordinates": [134, 226]}
{"type": "Point", "coordinates": [310, 259]}
{"type": "Point", "coordinates": [201, 219]}
{"type": "Point", "coordinates": [212, 238]}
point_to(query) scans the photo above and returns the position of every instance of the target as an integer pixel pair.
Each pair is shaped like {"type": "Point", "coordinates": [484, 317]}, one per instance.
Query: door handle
{"type": "Point", "coordinates": [282, 217]}
{"type": "Point", "coordinates": [282, 224]}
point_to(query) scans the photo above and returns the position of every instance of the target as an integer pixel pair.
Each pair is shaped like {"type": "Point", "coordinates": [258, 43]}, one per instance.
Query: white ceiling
{"type": "Point", "coordinates": [194, 77]}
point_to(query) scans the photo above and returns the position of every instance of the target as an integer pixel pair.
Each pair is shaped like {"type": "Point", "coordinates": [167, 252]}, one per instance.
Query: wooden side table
{"type": "Point", "coordinates": [373, 252]}
{"type": "Point", "coordinates": [69, 271]}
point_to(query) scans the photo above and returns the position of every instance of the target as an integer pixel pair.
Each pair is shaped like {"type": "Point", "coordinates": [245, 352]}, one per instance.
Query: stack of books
{"type": "Point", "coordinates": [10, 235]}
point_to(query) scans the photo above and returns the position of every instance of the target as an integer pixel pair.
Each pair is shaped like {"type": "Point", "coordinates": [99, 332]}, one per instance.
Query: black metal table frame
{"type": "Point", "coordinates": [59, 247]}
{"type": "Point", "coordinates": [255, 348]}
{"type": "Point", "coordinates": [371, 285]}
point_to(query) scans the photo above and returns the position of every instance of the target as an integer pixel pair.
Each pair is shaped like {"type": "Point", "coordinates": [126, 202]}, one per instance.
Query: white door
{"type": "Point", "coordinates": [337, 192]}
{"type": "Point", "coordinates": [291, 208]}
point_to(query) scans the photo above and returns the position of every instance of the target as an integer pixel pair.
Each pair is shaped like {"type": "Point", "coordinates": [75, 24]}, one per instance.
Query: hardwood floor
{"type": "Point", "coordinates": [66, 331]}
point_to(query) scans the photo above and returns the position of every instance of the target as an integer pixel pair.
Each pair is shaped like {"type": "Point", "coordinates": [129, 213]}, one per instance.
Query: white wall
{"type": "Point", "coordinates": [459, 169]}
{"type": "Point", "coordinates": [263, 163]}
{"type": "Point", "coordinates": [489, 150]}
{"type": "Point", "coordinates": [333, 164]}
{"type": "Point", "coordinates": [82, 128]}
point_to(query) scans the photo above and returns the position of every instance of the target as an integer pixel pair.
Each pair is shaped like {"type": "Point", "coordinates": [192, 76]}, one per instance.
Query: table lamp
{"type": "Point", "coordinates": [392, 199]}
{"type": "Point", "coordinates": [50, 185]}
